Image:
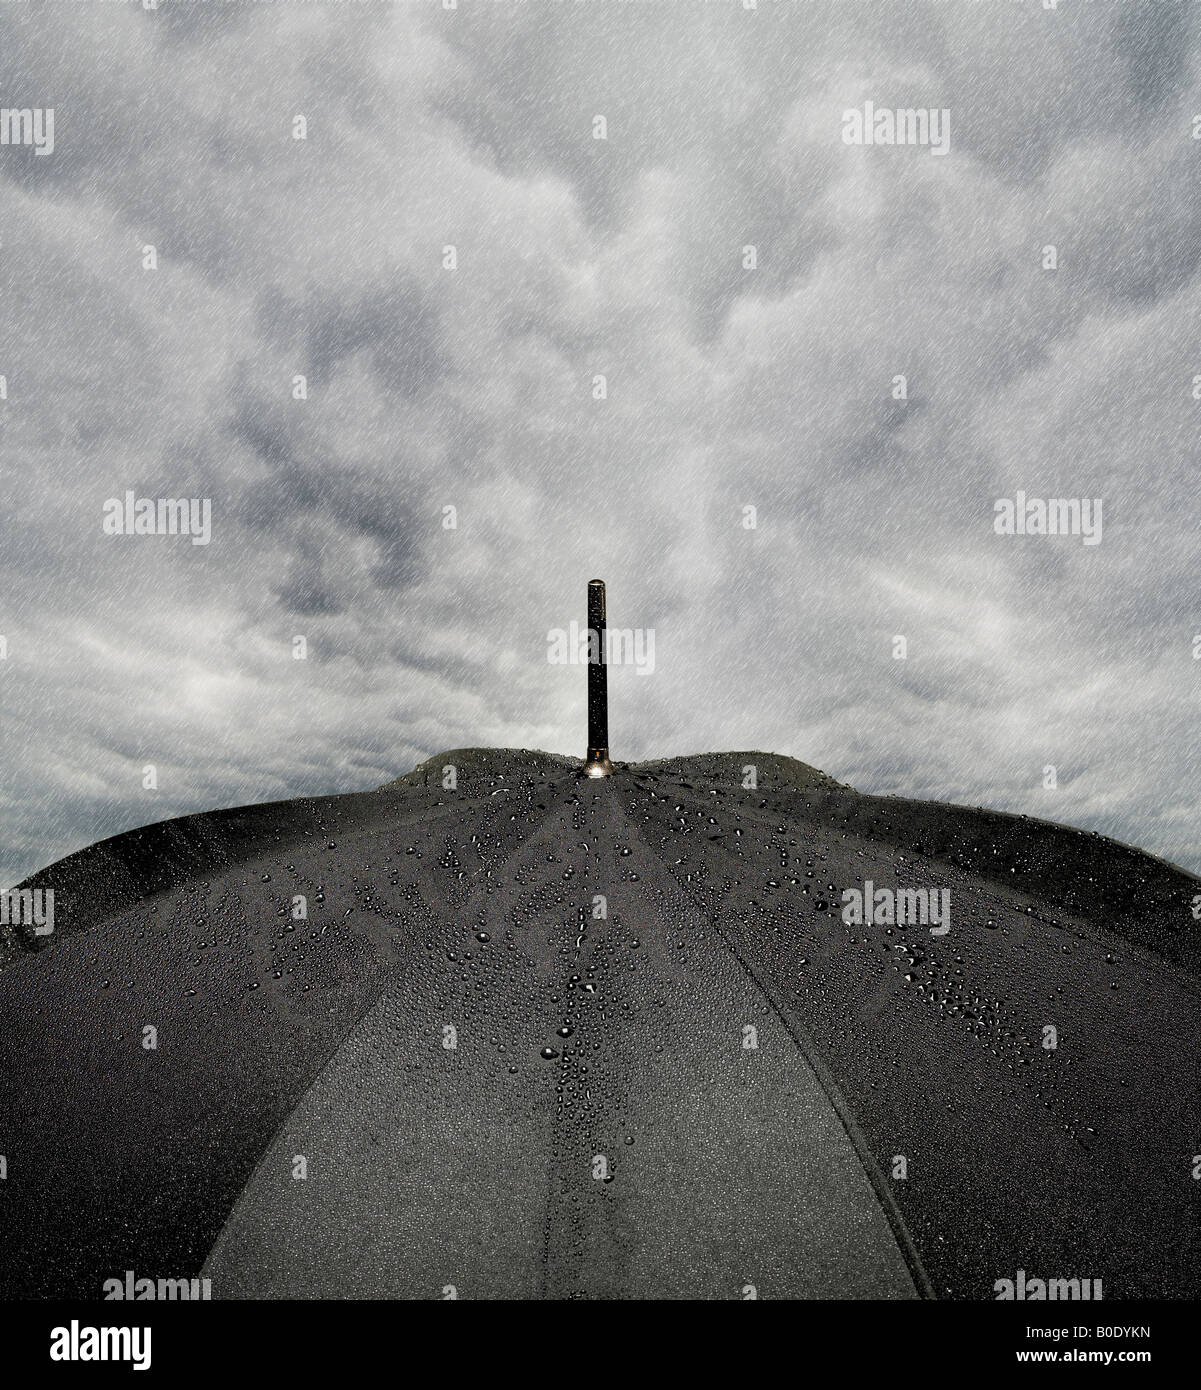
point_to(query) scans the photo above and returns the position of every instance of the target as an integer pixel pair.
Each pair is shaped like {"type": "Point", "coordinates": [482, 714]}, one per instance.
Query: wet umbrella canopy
{"type": "Point", "coordinates": [711, 1027]}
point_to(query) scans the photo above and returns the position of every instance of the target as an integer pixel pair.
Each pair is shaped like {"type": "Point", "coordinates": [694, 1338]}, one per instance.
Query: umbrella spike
{"type": "Point", "coordinates": [597, 763]}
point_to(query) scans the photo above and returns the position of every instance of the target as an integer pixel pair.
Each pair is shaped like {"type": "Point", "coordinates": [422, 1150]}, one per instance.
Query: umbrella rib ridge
{"type": "Point", "coordinates": [1077, 919]}
{"type": "Point", "coordinates": [25, 947]}
{"type": "Point", "coordinates": [830, 1089]}
{"type": "Point", "coordinates": [287, 1119]}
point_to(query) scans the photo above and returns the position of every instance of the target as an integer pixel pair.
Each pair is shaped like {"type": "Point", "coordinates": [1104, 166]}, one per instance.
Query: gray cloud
{"type": "Point", "coordinates": [473, 389]}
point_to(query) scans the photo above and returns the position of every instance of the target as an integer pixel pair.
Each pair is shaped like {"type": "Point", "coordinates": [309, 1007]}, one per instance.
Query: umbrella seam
{"type": "Point", "coordinates": [854, 1134]}
{"type": "Point", "coordinates": [214, 870]}
{"type": "Point", "coordinates": [332, 1058]}
{"type": "Point", "coordinates": [1088, 926]}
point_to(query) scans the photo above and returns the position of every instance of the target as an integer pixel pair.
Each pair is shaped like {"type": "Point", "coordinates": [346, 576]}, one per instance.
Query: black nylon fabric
{"type": "Point", "coordinates": [891, 1124]}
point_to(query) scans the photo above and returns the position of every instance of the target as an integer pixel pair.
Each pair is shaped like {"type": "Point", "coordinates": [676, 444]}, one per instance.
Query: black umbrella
{"type": "Point", "coordinates": [711, 1027]}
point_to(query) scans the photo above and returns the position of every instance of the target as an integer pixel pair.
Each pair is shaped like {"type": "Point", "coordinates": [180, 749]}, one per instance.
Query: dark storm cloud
{"type": "Point", "coordinates": [470, 394]}
{"type": "Point", "coordinates": [390, 324]}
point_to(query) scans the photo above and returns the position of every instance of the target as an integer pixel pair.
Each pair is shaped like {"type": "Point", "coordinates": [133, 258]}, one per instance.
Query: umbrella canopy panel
{"type": "Point", "coordinates": [545, 1037]}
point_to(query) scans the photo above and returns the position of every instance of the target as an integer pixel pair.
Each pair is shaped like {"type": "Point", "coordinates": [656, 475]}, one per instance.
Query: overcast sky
{"type": "Point", "coordinates": [474, 388]}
